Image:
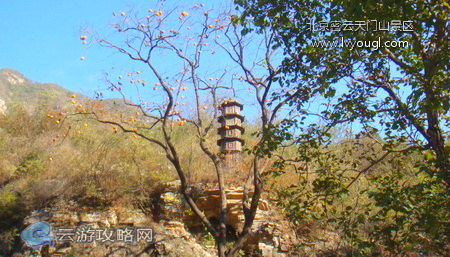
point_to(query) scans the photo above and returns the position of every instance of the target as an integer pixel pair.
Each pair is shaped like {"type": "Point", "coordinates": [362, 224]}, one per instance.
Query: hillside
{"type": "Point", "coordinates": [15, 89]}
{"type": "Point", "coordinates": [58, 164]}
{"type": "Point", "coordinates": [54, 158]}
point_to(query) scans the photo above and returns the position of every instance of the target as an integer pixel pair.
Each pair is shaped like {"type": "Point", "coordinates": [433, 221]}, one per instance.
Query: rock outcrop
{"type": "Point", "coordinates": [273, 236]}
{"type": "Point", "coordinates": [177, 231]}
{"type": "Point", "coordinates": [3, 107]}
{"type": "Point", "coordinates": [169, 240]}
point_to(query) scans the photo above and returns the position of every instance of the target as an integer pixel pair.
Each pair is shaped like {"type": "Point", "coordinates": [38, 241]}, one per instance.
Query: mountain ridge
{"type": "Point", "coordinates": [16, 89]}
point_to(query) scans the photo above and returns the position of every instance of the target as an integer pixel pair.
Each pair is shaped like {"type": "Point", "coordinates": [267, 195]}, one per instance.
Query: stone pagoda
{"type": "Point", "coordinates": [231, 131]}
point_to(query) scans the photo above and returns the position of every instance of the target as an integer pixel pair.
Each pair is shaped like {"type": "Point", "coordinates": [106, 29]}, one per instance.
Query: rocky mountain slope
{"type": "Point", "coordinates": [16, 89]}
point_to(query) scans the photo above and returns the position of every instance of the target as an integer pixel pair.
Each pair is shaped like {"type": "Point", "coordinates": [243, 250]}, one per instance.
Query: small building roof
{"type": "Point", "coordinates": [232, 103]}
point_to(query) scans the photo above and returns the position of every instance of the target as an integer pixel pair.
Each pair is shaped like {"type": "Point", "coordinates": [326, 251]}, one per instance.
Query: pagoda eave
{"type": "Point", "coordinates": [230, 139]}
{"type": "Point", "coordinates": [231, 115]}
{"type": "Point", "coordinates": [219, 130]}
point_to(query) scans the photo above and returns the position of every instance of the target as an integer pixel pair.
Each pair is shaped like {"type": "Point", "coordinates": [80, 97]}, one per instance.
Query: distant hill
{"type": "Point", "coordinates": [16, 89]}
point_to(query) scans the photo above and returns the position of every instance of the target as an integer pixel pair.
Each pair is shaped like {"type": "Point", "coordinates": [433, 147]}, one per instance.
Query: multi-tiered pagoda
{"type": "Point", "coordinates": [231, 130]}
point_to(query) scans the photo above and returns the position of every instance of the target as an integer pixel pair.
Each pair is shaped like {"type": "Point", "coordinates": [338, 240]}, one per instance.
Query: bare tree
{"type": "Point", "coordinates": [186, 42]}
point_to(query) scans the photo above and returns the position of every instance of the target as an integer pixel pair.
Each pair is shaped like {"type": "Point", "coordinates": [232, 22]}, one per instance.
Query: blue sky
{"type": "Point", "coordinates": [41, 39]}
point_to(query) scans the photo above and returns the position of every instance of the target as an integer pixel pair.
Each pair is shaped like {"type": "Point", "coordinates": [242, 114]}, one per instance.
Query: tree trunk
{"type": "Point", "coordinates": [437, 142]}
{"type": "Point", "coordinates": [222, 239]}
{"type": "Point", "coordinates": [221, 246]}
